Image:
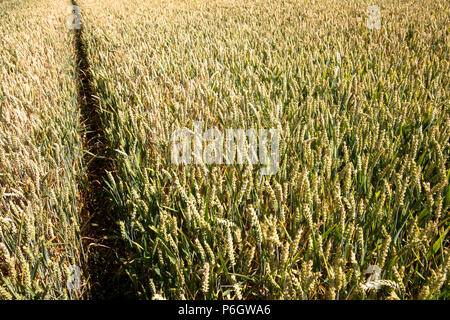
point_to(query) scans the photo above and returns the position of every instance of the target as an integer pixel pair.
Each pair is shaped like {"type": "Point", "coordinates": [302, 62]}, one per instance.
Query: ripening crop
{"type": "Point", "coordinates": [363, 172]}
{"type": "Point", "coordinates": [358, 207]}
{"type": "Point", "coordinates": [40, 153]}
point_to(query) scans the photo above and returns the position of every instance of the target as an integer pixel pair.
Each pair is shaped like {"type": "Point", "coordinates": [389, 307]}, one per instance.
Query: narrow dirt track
{"type": "Point", "coordinates": [100, 241]}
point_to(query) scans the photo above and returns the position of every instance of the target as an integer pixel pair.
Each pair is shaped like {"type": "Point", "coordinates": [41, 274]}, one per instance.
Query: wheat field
{"type": "Point", "coordinates": [358, 207]}
{"type": "Point", "coordinates": [40, 153]}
